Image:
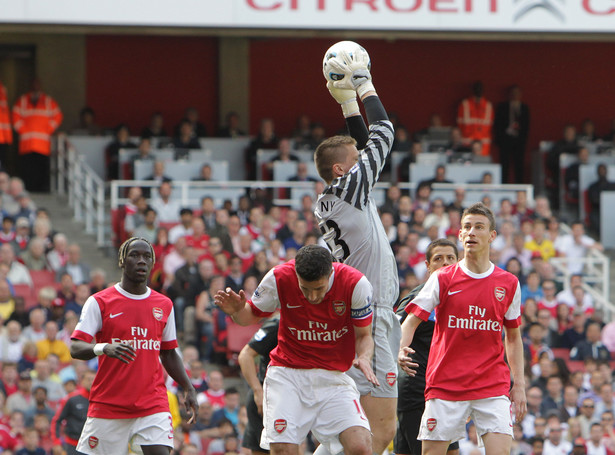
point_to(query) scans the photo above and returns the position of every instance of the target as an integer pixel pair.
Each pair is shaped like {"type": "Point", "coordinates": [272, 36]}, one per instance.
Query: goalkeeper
{"type": "Point", "coordinates": [348, 218]}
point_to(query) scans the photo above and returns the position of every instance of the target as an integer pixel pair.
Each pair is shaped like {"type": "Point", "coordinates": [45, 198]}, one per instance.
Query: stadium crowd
{"type": "Point", "coordinates": [200, 250]}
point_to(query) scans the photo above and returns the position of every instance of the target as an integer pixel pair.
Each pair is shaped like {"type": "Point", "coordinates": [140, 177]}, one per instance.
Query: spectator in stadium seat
{"type": "Point", "coordinates": [567, 296]}
{"type": "Point", "coordinates": [607, 400]}
{"type": "Point", "coordinates": [34, 257]}
{"type": "Point", "coordinates": [58, 256]}
{"type": "Point", "coordinates": [576, 332]}
{"type": "Point", "coordinates": [542, 208]}
{"type": "Point", "coordinates": [184, 228]}
{"type": "Point", "coordinates": [546, 319]}
{"type": "Point", "coordinates": [555, 443]}
{"type": "Point", "coordinates": [284, 154]}
{"type": "Point", "coordinates": [569, 407]}
{"type": "Point", "coordinates": [40, 405]}
{"type": "Point", "coordinates": [11, 343]}
{"type": "Point", "coordinates": [22, 398]}
{"type": "Point", "coordinates": [167, 208]}
{"type": "Point", "coordinates": [204, 174]}
{"type": "Point", "coordinates": [17, 272]}
{"type": "Point", "coordinates": [35, 331]}
{"type": "Point", "coordinates": [554, 397]}
{"type": "Point", "coordinates": [568, 144]}
{"type": "Point", "coordinates": [112, 151]}
{"type": "Point", "coordinates": [575, 247]}
{"type": "Point", "coordinates": [52, 345]}
{"type": "Point", "coordinates": [302, 174]}
{"type": "Point", "coordinates": [155, 129]}
{"type": "Point", "coordinates": [220, 229]}
{"type": "Point", "coordinates": [536, 345]}
{"type": "Point", "coordinates": [586, 415]}
{"type": "Point", "coordinates": [148, 230]}
{"type": "Point", "coordinates": [591, 347]}
{"type": "Point", "coordinates": [208, 213]}
{"type": "Point", "coordinates": [231, 127]}
{"type": "Point", "coordinates": [144, 153]}
{"type": "Point", "coordinates": [98, 280]}
{"type": "Point", "coordinates": [191, 114]}
{"type": "Point", "coordinates": [548, 300]}
{"type": "Point", "coordinates": [22, 235]}
{"type": "Point", "coordinates": [67, 287]}
{"type": "Point", "coordinates": [540, 242]}
{"type": "Point", "coordinates": [75, 267]}
{"type": "Point", "coordinates": [87, 125]}
{"type": "Point", "coordinates": [266, 139]}
{"type": "Point", "coordinates": [571, 178]}
{"type": "Point", "coordinates": [185, 139]}
{"type": "Point", "coordinates": [207, 324]}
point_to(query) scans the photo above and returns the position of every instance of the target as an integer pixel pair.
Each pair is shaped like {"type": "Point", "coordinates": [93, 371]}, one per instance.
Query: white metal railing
{"type": "Point", "coordinates": [74, 178]}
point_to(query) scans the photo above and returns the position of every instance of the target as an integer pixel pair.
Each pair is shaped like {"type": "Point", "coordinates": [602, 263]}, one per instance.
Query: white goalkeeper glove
{"type": "Point", "coordinates": [347, 99]}
{"type": "Point", "coordinates": [356, 75]}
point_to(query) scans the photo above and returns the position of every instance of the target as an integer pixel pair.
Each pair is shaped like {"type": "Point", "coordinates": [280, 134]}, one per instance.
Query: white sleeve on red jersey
{"type": "Point", "coordinates": [427, 299]}
{"type": "Point", "coordinates": [168, 333]}
{"type": "Point", "coordinates": [514, 310]}
{"type": "Point", "coordinates": [265, 299]}
{"type": "Point", "coordinates": [361, 307]}
{"type": "Point", "coordinates": [90, 321]}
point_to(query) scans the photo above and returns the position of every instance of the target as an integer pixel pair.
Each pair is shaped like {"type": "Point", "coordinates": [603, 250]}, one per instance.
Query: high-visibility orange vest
{"type": "Point", "coordinates": [475, 119]}
{"type": "Point", "coordinates": [36, 123]}
{"type": "Point", "coordinates": [6, 132]}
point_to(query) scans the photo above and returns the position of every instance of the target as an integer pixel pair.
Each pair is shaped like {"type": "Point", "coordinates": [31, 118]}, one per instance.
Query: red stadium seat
{"type": "Point", "coordinates": [27, 293]}
{"type": "Point", "coordinates": [562, 353]}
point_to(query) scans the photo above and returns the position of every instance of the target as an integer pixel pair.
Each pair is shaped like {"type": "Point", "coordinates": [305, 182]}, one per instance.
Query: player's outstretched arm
{"type": "Point", "coordinates": [236, 306]}
{"type": "Point", "coordinates": [247, 364]}
{"type": "Point", "coordinates": [175, 367]}
{"type": "Point", "coordinates": [82, 350]}
{"type": "Point", "coordinates": [407, 335]}
{"type": "Point", "coordinates": [364, 348]}
{"type": "Point", "coordinates": [514, 353]}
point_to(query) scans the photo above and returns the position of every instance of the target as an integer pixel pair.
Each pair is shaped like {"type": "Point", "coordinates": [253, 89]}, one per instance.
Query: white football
{"type": "Point", "coordinates": [332, 53]}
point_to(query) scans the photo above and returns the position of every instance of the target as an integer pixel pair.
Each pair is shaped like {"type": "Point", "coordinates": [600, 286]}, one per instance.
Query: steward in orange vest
{"type": "Point", "coordinates": [475, 119]}
{"type": "Point", "coordinates": [36, 117]}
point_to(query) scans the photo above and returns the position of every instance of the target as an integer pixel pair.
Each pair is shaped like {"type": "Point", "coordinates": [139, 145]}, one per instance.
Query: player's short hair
{"type": "Point", "coordinates": [313, 262]}
{"type": "Point", "coordinates": [440, 242]}
{"type": "Point", "coordinates": [123, 251]}
{"type": "Point", "coordinates": [330, 152]}
{"type": "Point", "coordinates": [481, 209]}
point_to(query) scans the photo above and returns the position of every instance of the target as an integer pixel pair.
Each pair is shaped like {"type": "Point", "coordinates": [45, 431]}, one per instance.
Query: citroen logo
{"type": "Point", "coordinates": [524, 7]}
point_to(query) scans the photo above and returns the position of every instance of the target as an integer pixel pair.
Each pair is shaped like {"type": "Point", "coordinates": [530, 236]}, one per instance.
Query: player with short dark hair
{"type": "Point", "coordinates": [466, 375]}
{"type": "Point", "coordinates": [132, 330]}
{"type": "Point", "coordinates": [325, 318]}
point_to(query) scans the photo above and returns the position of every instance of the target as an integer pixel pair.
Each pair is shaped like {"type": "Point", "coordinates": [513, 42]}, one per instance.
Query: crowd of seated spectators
{"type": "Point", "coordinates": [569, 346]}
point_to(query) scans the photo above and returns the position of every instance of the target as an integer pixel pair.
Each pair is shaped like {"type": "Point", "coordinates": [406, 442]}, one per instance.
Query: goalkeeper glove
{"type": "Point", "coordinates": [356, 75]}
{"type": "Point", "coordinates": [347, 99]}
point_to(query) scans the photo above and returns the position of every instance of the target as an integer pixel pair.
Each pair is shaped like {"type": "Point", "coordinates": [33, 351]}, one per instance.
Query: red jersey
{"type": "Point", "coordinates": [147, 322]}
{"type": "Point", "coordinates": [466, 360]}
{"type": "Point", "coordinates": [315, 336]}
{"type": "Point", "coordinates": [198, 243]}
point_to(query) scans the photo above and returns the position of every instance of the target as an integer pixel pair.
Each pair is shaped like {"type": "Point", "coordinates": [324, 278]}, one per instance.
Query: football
{"type": "Point", "coordinates": [332, 53]}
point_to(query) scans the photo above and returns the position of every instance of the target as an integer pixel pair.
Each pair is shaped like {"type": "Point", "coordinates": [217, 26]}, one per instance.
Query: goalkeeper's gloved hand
{"type": "Point", "coordinates": [356, 74]}
{"type": "Point", "coordinates": [347, 99]}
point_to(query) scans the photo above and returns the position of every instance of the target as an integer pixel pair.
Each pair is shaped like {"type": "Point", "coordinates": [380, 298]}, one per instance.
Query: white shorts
{"type": "Point", "coordinates": [115, 436]}
{"type": "Point", "coordinates": [387, 335]}
{"type": "Point", "coordinates": [445, 420]}
{"type": "Point", "coordinates": [297, 401]}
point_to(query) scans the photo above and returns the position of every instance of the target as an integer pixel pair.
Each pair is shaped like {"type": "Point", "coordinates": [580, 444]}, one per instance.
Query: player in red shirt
{"type": "Point", "coordinates": [325, 318]}
{"type": "Point", "coordinates": [132, 329]}
{"type": "Point", "coordinates": [466, 373]}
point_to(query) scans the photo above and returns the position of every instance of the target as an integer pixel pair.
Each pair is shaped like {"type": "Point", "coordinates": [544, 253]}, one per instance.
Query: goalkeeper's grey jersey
{"type": "Point", "coordinates": [348, 218]}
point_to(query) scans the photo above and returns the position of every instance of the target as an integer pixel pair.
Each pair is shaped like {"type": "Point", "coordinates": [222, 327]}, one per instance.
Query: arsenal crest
{"type": "Point", "coordinates": [92, 441]}
{"type": "Point", "coordinates": [339, 306]}
{"type": "Point", "coordinates": [391, 377]}
{"type": "Point", "coordinates": [279, 425]}
{"type": "Point", "coordinates": [500, 293]}
{"type": "Point", "coordinates": [157, 313]}
{"type": "Point", "coordinates": [431, 424]}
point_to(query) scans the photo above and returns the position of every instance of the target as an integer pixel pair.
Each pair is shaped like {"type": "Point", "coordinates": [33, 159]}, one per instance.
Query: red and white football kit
{"type": "Point", "coordinates": [136, 389]}
{"type": "Point", "coordinates": [471, 311]}
{"type": "Point", "coordinates": [305, 387]}
{"type": "Point", "coordinates": [147, 323]}
{"type": "Point", "coordinates": [466, 360]}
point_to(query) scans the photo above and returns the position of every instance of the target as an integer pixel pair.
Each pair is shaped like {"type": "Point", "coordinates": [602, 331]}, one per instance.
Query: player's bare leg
{"type": "Point", "coordinates": [435, 447]}
{"type": "Point", "coordinates": [284, 448]}
{"type": "Point", "coordinates": [381, 413]}
{"type": "Point", "coordinates": [156, 450]}
{"type": "Point", "coordinates": [356, 441]}
{"type": "Point", "coordinates": [497, 443]}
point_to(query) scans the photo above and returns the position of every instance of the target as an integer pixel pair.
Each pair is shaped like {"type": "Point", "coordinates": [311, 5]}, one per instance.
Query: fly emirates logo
{"type": "Point", "coordinates": [317, 331]}
{"type": "Point", "coordinates": [139, 340]}
{"type": "Point", "coordinates": [474, 321]}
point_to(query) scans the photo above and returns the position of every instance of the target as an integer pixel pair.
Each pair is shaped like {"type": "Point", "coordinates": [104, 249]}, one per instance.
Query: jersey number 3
{"type": "Point", "coordinates": [331, 233]}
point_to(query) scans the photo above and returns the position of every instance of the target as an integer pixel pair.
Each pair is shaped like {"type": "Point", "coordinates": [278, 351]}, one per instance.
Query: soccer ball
{"type": "Point", "coordinates": [332, 53]}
